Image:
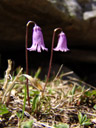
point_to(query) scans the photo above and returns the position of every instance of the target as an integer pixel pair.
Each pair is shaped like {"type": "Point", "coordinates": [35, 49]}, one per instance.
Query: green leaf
{"type": "Point", "coordinates": [80, 117]}
{"type": "Point", "coordinates": [83, 88]}
{"type": "Point", "coordinates": [34, 92]}
{"type": "Point", "coordinates": [73, 90]}
{"type": "Point", "coordinates": [94, 106]}
{"type": "Point", "coordinates": [94, 92]}
{"type": "Point", "coordinates": [35, 102]}
{"type": "Point", "coordinates": [19, 115]}
{"type": "Point", "coordinates": [86, 123]}
{"type": "Point", "coordinates": [88, 93]}
{"type": "Point", "coordinates": [84, 118]}
{"type": "Point", "coordinates": [3, 109]}
{"type": "Point", "coordinates": [62, 126]}
{"type": "Point", "coordinates": [37, 73]}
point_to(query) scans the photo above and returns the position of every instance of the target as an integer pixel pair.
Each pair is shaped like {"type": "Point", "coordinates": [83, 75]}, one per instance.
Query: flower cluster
{"type": "Point", "coordinates": [38, 41]}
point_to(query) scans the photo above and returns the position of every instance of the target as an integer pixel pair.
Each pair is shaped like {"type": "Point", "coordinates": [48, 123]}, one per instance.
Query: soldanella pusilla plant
{"type": "Point", "coordinates": [38, 45]}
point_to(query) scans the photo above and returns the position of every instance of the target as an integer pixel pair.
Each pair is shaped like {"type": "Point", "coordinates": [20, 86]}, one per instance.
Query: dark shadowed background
{"type": "Point", "coordinates": [76, 17]}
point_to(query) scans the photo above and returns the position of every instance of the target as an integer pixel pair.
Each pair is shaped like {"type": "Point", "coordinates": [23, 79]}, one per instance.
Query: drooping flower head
{"type": "Point", "coordinates": [37, 40]}
{"type": "Point", "coordinates": [62, 43]}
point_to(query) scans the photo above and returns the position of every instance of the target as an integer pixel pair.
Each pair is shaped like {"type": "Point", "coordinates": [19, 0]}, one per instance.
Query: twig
{"type": "Point", "coordinates": [11, 85]}
{"type": "Point", "coordinates": [7, 74]}
{"type": "Point", "coordinates": [67, 73]}
{"type": "Point", "coordinates": [75, 79]}
{"type": "Point", "coordinates": [58, 72]}
{"type": "Point", "coordinates": [87, 113]}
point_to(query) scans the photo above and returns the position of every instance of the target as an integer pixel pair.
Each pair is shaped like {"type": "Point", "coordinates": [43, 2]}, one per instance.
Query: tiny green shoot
{"type": "Point", "coordinates": [37, 73]}
{"type": "Point", "coordinates": [3, 109]}
{"type": "Point", "coordinates": [83, 120]}
{"type": "Point", "coordinates": [35, 102]}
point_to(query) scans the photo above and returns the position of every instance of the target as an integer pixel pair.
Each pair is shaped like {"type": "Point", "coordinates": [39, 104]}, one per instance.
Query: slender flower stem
{"type": "Point", "coordinates": [27, 26]}
{"type": "Point", "coordinates": [51, 57]}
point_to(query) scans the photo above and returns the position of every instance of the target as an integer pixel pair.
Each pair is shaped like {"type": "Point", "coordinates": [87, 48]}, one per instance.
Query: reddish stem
{"type": "Point", "coordinates": [27, 26]}
{"type": "Point", "coordinates": [51, 56]}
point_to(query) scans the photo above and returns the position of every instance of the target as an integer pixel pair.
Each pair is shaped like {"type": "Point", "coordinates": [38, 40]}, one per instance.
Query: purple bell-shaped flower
{"type": "Point", "coordinates": [37, 40]}
{"type": "Point", "coordinates": [62, 43]}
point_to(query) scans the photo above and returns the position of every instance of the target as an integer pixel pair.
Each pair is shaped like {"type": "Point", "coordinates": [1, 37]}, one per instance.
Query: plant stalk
{"type": "Point", "coordinates": [26, 54]}
{"type": "Point", "coordinates": [51, 57]}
